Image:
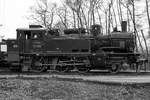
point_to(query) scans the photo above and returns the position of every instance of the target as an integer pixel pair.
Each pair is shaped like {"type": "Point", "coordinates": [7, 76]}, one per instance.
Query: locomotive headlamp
{"type": "Point", "coordinates": [99, 59]}
{"type": "Point", "coordinates": [94, 54]}
{"type": "Point", "coordinates": [37, 54]}
{"type": "Point", "coordinates": [21, 57]}
{"type": "Point", "coordinates": [15, 46]}
{"type": "Point", "coordinates": [57, 48]}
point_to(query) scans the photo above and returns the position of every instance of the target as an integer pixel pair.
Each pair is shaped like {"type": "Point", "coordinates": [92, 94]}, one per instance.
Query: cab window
{"type": "Point", "coordinates": [27, 35]}
{"type": "Point", "coordinates": [37, 36]}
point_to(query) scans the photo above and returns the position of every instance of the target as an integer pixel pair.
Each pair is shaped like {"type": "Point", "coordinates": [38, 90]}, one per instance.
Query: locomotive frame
{"type": "Point", "coordinates": [38, 49]}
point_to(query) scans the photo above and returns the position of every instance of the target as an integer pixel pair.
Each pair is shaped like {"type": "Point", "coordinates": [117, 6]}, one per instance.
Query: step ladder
{"type": "Point", "coordinates": [26, 64]}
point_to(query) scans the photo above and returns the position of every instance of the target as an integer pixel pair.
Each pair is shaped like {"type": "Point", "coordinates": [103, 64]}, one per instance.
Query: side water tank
{"type": "Point", "coordinates": [75, 31]}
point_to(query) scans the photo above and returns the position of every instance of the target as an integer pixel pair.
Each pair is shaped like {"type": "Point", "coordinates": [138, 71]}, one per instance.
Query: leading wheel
{"type": "Point", "coordinates": [114, 68]}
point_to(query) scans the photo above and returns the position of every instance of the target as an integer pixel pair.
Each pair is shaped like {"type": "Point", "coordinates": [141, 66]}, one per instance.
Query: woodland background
{"type": "Point", "coordinates": [107, 13]}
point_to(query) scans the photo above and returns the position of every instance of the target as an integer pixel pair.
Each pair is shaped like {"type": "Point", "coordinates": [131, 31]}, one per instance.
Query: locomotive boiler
{"type": "Point", "coordinates": [39, 49]}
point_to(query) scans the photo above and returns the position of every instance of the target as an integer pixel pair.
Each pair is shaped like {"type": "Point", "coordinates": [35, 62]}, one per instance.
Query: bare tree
{"type": "Point", "coordinates": [85, 11]}
{"type": "Point", "coordinates": [145, 42]}
{"type": "Point", "coordinates": [75, 6]}
{"type": "Point", "coordinates": [62, 14]}
{"type": "Point", "coordinates": [43, 13]}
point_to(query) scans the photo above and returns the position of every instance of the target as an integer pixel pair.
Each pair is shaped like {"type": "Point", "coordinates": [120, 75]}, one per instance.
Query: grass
{"type": "Point", "coordinates": [59, 89]}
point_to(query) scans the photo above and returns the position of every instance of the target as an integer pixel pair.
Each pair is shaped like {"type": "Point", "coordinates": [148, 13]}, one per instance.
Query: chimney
{"type": "Point", "coordinates": [124, 26]}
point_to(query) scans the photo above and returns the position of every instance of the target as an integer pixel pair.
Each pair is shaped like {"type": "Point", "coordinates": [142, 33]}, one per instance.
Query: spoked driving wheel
{"type": "Point", "coordinates": [38, 64]}
{"type": "Point", "coordinates": [85, 65]}
{"type": "Point", "coordinates": [61, 67]}
{"type": "Point", "coordinates": [83, 69]}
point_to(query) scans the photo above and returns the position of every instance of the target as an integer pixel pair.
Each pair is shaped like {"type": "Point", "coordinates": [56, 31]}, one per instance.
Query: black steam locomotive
{"type": "Point", "coordinates": [38, 49]}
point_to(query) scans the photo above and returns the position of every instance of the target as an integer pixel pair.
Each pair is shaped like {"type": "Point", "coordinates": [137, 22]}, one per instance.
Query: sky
{"type": "Point", "coordinates": [13, 15]}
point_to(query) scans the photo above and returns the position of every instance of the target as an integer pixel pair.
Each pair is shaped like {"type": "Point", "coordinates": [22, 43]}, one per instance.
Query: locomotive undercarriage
{"type": "Point", "coordinates": [59, 64]}
{"type": "Point", "coordinates": [82, 64]}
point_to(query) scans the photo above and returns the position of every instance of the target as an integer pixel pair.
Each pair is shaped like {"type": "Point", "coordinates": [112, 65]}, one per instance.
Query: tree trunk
{"type": "Point", "coordinates": [79, 19]}
{"type": "Point", "coordinates": [118, 10]}
{"type": "Point", "coordinates": [147, 10]}
{"type": "Point", "coordinates": [145, 42]}
{"type": "Point", "coordinates": [74, 19]}
{"type": "Point", "coordinates": [134, 24]}
{"type": "Point", "coordinates": [86, 24]}
{"type": "Point", "coordinates": [52, 17]}
{"type": "Point", "coordinates": [93, 15]}
{"type": "Point", "coordinates": [128, 18]}
{"type": "Point", "coordinates": [106, 22]}
{"type": "Point", "coordinates": [65, 19]}
{"type": "Point", "coordinates": [100, 20]}
{"type": "Point", "coordinates": [109, 19]}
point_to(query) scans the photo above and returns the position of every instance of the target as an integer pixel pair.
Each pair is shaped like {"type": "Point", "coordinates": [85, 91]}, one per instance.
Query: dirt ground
{"type": "Point", "coordinates": [59, 89]}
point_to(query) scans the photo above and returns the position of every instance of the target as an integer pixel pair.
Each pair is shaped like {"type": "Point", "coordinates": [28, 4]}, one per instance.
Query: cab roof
{"type": "Point", "coordinates": [31, 29]}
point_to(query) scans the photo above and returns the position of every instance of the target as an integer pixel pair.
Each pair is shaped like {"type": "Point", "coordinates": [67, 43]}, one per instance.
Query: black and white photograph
{"type": "Point", "coordinates": [74, 49]}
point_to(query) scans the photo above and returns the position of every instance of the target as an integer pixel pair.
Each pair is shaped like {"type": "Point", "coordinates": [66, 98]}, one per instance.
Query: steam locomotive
{"type": "Point", "coordinates": [39, 49]}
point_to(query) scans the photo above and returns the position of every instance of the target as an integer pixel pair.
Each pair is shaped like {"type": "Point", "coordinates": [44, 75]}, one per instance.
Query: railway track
{"type": "Point", "coordinates": [6, 71]}
{"type": "Point", "coordinates": [126, 77]}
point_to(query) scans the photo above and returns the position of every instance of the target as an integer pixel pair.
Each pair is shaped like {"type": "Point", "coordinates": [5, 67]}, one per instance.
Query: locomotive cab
{"type": "Point", "coordinates": [30, 39]}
